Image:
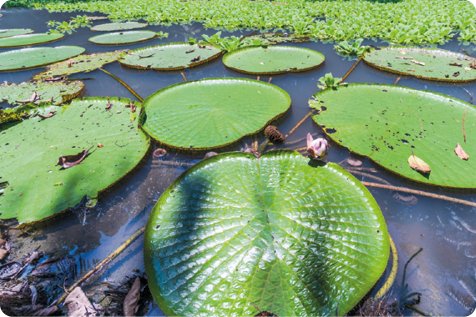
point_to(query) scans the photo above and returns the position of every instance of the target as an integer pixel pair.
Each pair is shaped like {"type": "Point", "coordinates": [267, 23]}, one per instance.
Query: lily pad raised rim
{"type": "Point", "coordinates": [276, 72]}
{"type": "Point", "coordinates": [40, 65]}
{"type": "Point", "coordinates": [123, 43]}
{"type": "Point", "coordinates": [29, 35]}
{"type": "Point", "coordinates": [144, 113]}
{"type": "Point", "coordinates": [330, 135]}
{"type": "Point", "coordinates": [29, 31]}
{"type": "Point", "coordinates": [143, 25]}
{"type": "Point", "coordinates": [410, 48]}
{"type": "Point", "coordinates": [200, 62]}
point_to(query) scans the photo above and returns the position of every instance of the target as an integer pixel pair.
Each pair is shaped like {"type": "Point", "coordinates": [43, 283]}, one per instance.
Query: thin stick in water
{"type": "Point", "coordinates": [396, 81]}
{"type": "Point", "coordinates": [183, 75]}
{"type": "Point", "coordinates": [421, 193]}
{"type": "Point", "coordinates": [270, 79]}
{"type": "Point", "coordinates": [350, 70]}
{"type": "Point", "coordinates": [124, 84]}
{"type": "Point", "coordinates": [470, 94]}
{"type": "Point", "coordinates": [99, 266]}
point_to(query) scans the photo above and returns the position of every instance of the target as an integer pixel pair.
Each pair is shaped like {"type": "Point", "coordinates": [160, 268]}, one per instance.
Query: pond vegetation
{"type": "Point", "coordinates": [275, 228]}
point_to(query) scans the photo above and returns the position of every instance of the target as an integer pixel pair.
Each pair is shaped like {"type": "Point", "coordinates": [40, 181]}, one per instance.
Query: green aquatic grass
{"type": "Point", "coordinates": [405, 22]}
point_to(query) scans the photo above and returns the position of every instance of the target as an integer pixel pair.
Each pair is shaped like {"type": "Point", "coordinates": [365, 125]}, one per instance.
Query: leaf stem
{"type": "Point", "coordinates": [124, 84]}
{"type": "Point", "coordinates": [183, 75]}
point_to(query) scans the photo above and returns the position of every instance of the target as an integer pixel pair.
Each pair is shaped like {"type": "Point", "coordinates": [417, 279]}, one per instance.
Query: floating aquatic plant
{"type": "Point", "coordinates": [69, 26]}
{"type": "Point", "coordinates": [281, 234]}
{"type": "Point", "coordinates": [354, 49]}
{"type": "Point", "coordinates": [328, 81]}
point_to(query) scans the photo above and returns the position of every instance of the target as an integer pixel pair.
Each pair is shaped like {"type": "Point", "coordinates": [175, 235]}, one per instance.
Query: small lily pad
{"type": "Point", "coordinates": [211, 113]}
{"type": "Point", "coordinates": [427, 63]}
{"type": "Point", "coordinates": [30, 39]}
{"type": "Point", "coordinates": [118, 26]}
{"type": "Point", "coordinates": [118, 38]}
{"type": "Point", "coordinates": [390, 124]}
{"type": "Point", "coordinates": [79, 64]}
{"type": "Point", "coordinates": [12, 32]}
{"type": "Point", "coordinates": [37, 187]}
{"type": "Point", "coordinates": [53, 93]}
{"type": "Point", "coordinates": [34, 57]}
{"type": "Point", "coordinates": [271, 60]}
{"type": "Point", "coordinates": [170, 56]}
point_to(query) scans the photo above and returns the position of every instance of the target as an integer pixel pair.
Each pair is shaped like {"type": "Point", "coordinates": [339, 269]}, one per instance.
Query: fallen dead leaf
{"type": "Point", "coordinates": [196, 59]}
{"type": "Point", "coordinates": [49, 115]}
{"type": "Point", "coordinates": [132, 298]}
{"type": "Point", "coordinates": [78, 304]}
{"type": "Point", "coordinates": [354, 162]}
{"type": "Point", "coordinates": [72, 160]}
{"type": "Point", "coordinates": [209, 154]}
{"type": "Point", "coordinates": [418, 63]}
{"type": "Point", "coordinates": [3, 254]}
{"type": "Point", "coordinates": [159, 153]}
{"type": "Point", "coordinates": [109, 105]}
{"type": "Point", "coordinates": [100, 145]}
{"type": "Point", "coordinates": [456, 64]}
{"type": "Point", "coordinates": [461, 153]}
{"type": "Point", "coordinates": [418, 164]}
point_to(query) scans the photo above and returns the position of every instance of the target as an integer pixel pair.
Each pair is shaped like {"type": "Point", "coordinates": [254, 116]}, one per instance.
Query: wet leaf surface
{"type": "Point", "coordinates": [40, 92]}
{"type": "Point", "coordinates": [386, 123]}
{"type": "Point", "coordinates": [79, 64]}
{"type": "Point", "coordinates": [123, 37]}
{"type": "Point", "coordinates": [221, 110]}
{"type": "Point", "coordinates": [272, 59]}
{"type": "Point", "coordinates": [30, 39]}
{"type": "Point", "coordinates": [132, 299]}
{"type": "Point", "coordinates": [9, 269]}
{"type": "Point", "coordinates": [170, 56]}
{"type": "Point", "coordinates": [54, 267]}
{"type": "Point", "coordinates": [280, 233]}
{"type": "Point", "coordinates": [79, 305]}
{"type": "Point", "coordinates": [432, 64]}
{"type": "Point", "coordinates": [34, 57]}
{"type": "Point", "coordinates": [30, 168]}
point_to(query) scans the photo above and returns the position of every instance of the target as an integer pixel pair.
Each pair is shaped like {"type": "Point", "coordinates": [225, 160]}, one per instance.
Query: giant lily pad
{"type": "Point", "coordinates": [118, 26]}
{"type": "Point", "coordinates": [81, 63]}
{"type": "Point", "coordinates": [427, 63]}
{"type": "Point", "coordinates": [37, 188]}
{"type": "Point", "coordinates": [13, 32]}
{"type": "Point", "coordinates": [53, 93]}
{"type": "Point", "coordinates": [123, 37]}
{"type": "Point", "coordinates": [30, 39]}
{"type": "Point", "coordinates": [38, 56]}
{"type": "Point", "coordinates": [386, 123]}
{"type": "Point", "coordinates": [235, 234]}
{"type": "Point", "coordinates": [212, 113]}
{"type": "Point", "coordinates": [170, 56]}
{"type": "Point", "coordinates": [272, 59]}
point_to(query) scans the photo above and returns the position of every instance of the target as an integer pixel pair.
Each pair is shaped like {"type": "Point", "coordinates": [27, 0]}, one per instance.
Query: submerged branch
{"type": "Point", "coordinates": [124, 84]}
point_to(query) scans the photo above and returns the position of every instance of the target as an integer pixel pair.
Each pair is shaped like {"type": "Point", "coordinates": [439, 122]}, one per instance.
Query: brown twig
{"type": "Point", "coordinates": [124, 84]}
{"type": "Point", "coordinates": [396, 81]}
{"type": "Point", "coordinates": [421, 193]}
{"type": "Point", "coordinates": [350, 70]}
{"type": "Point", "coordinates": [269, 80]}
{"type": "Point", "coordinates": [173, 163]}
{"type": "Point", "coordinates": [99, 266]}
{"type": "Point", "coordinates": [470, 94]}
{"type": "Point", "coordinates": [378, 179]}
{"type": "Point", "coordinates": [183, 75]}
{"type": "Point", "coordinates": [257, 78]}
{"type": "Point", "coordinates": [299, 123]}
{"type": "Point", "coordinates": [464, 132]}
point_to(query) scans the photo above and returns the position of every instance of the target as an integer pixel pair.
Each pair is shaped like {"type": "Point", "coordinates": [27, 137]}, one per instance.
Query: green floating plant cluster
{"type": "Point", "coordinates": [69, 26]}
{"type": "Point", "coordinates": [405, 22]}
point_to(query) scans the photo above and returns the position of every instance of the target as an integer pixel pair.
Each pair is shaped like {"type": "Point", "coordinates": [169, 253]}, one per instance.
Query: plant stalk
{"type": "Point", "coordinates": [124, 84]}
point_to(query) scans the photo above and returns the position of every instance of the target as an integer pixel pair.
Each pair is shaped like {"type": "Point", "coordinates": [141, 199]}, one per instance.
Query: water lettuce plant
{"type": "Point", "coordinates": [427, 63]}
{"type": "Point", "coordinates": [38, 56]}
{"type": "Point", "coordinates": [69, 26]}
{"type": "Point", "coordinates": [272, 59]}
{"type": "Point", "coordinates": [42, 170]}
{"type": "Point", "coordinates": [235, 235]}
{"type": "Point", "coordinates": [328, 81]}
{"type": "Point", "coordinates": [390, 124]}
{"type": "Point", "coordinates": [406, 22]}
{"type": "Point", "coordinates": [211, 113]}
{"type": "Point", "coordinates": [354, 49]}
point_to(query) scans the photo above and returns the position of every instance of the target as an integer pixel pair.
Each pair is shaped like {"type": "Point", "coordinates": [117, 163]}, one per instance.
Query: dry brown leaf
{"type": "Point", "coordinates": [3, 254]}
{"type": "Point", "coordinates": [72, 160]}
{"type": "Point", "coordinates": [418, 164]}
{"type": "Point", "coordinates": [132, 298]}
{"type": "Point", "coordinates": [78, 304]}
{"type": "Point", "coordinates": [354, 162]}
{"type": "Point", "coordinates": [461, 153]}
{"type": "Point", "coordinates": [159, 153]}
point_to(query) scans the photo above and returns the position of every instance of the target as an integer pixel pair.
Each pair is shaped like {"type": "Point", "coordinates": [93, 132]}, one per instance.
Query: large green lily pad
{"type": "Point", "coordinates": [211, 113]}
{"type": "Point", "coordinates": [13, 32]}
{"type": "Point", "coordinates": [170, 56]}
{"type": "Point", "coordinates": [81, 63]}
{"type": "Point", "coordinates": [38, 56]}
{"type": "Point", "coordinates": [235, 234]}
{"type": "Point", "coordinates": [37, 188]}
{"type": "Point", "coordinates": [118, 26]}
{"type": "Point", "coordinates": [30, 39]}
{"type": "Point", "coordinates": [438, 65]}
{"type": "Point", "coordinates": [386, 123]}
{"type": "Point", "coordinates": [272, 59]}
{"type": "Point", "coordinates": [123, 37]}
{"type": "Point", "coordinates": [59, 91]}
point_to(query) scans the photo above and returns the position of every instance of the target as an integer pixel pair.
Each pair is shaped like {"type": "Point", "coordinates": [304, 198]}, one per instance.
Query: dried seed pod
{"type": "Point", "coordinates": [273, 134]}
